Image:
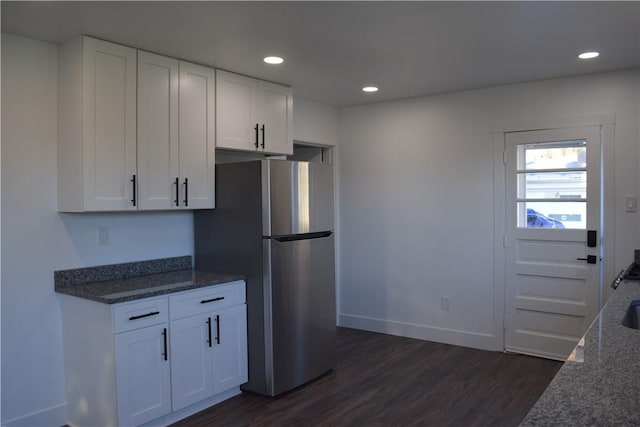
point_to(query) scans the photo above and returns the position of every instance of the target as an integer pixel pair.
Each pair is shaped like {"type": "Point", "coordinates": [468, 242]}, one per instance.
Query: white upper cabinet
{"type": "Point", "coordinates": [138, 131]}
{"type": "Point", "coordinates": [176, 131]}
{"type": "Point", "coordinates": [97, 126]}
{"type": "Point", "coordinates": [197, 136]}
{"type": "Point", "coordinates": [158, 82]}
{"type": "Point", "coordinates": [253, 115]}
{"type": "Point", "coordinates": [275, 112]}
{"type": "Point", "coordinates": [237, 97]}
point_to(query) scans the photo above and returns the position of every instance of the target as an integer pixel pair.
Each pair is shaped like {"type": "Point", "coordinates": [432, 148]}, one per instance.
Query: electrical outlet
{"type": "Point", "coordinates": [444, 303]}
{"type": "Point", "coordinates": [103, 236]}
{"type": "Point", "coordinates": [630, 203]}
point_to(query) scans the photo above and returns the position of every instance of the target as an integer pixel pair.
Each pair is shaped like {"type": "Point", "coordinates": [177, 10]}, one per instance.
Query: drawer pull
{"type": "Point", "coordinates": [153, 313]}
{"type": "Point", "coordinates": [218, 329]}
{"type": "Point", "coordinates": [205, 301]}
{"type": "Point", "coordinates": [186, 192]}
{"type": "Point", "coordinates": [177, 200]}
{"type": "Point", "coordinates": [164, 342]}
{"type": "Point", "coordinates": [257, 143]}
{"type": "Point", "coordinates": [133, 180]}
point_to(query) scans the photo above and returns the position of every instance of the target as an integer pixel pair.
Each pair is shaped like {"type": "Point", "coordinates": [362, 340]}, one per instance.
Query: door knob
{"type": "Point", "coordinates": [591, 259]}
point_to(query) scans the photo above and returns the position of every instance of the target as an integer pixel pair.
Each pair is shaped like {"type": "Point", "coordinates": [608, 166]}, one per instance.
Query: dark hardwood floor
{"type": "Point", "coordinates": [383, 380]}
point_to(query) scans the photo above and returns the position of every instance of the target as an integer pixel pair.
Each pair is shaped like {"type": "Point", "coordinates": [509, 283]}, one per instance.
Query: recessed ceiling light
{"type": "Point", "coordinates": [589, 55]}
{"type": "Point", "coordinates": [274, 60]}
{"type": "Point", "coordinates": [369, 89]}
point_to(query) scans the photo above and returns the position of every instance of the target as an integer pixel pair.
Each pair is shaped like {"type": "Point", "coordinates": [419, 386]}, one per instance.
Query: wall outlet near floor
{"type": "Point", "coordinates": [103, 236]}
{"type": "Point", "coordinates": [444, 303]}
{"type": "Point", "coordinates": [630, 203]}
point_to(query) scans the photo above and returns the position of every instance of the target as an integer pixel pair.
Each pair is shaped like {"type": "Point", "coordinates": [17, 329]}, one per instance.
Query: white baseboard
{"type": "Point", "coordinates": [543, 354]}
{"type": "Point", "coordinates": [428, 333]}
{"type": "Point", "coordinates": [193, 409]}
{"type": "Point", "coordinates": [55, 416]}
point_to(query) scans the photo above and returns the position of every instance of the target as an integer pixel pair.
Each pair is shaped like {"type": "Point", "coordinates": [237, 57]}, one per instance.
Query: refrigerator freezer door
{"type": "Point", "coordinates": [303, 313]}
{"type": "Point", "coordinates": [301, 198]}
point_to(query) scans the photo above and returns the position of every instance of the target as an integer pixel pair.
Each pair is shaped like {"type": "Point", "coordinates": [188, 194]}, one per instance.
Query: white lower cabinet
{"type": "Point", "coordinates": [154, 360]}
{"type": "Point", "coordinates": [191, 361]}
{"type": "Point", "coordinates": [143, 377]}
{"type": "Point", "coordinates": [230, 348]}
{"type": "Point", "coordinates": [208, 350]}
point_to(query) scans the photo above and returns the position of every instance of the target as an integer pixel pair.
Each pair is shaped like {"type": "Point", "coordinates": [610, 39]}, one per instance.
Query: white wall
{"type": "Point", "coordinates": [36, 239]}
{"type": "Point", "coordinates": [314, 123]}
{"type": "Point", "coordinates": [417, 202]}
{"type": "Point", "coordinates": [0, 248]}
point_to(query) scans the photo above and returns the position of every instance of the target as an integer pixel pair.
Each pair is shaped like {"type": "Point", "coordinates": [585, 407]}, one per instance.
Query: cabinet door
{"type": "Point", "coordinates": [157, 131]}
{"type": "Point", "coordinates": [197, 136]}
{"type": "Point", "coordinates": [108, 125]}
{"type": "Point", "coordinates": [143, 380]}
{"type": "Point", "coordinates": [275, 112]}
{"type": "Point", "coordinates": [237, 114]}
{"type": "Point", "coordinates": [229, 348]}
{"type": "Point", "coordinates": [191, 364]}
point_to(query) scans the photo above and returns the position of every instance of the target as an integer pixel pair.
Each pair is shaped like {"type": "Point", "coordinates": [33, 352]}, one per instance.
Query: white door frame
{"type": "Point", "coordinates": [606, 122]}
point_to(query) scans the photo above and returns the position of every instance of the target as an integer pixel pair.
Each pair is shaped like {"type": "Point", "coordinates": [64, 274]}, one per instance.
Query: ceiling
{"type": "Point", "coordinates": [333, 49]}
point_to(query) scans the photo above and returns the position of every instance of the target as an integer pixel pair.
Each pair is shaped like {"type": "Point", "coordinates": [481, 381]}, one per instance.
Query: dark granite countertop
{"type": "Point", "coordinates": [599, 383]}
{"type": "Point", "coordinates": [116, 283]}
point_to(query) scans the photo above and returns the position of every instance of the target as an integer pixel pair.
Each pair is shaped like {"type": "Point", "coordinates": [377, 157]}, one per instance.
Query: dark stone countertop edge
{"type": "Point", "coordinates": [121, 271]}
{"type": "Point", "coordinates": [115, 283]}
{"type": "Point", "coordinates": [597, 385]}
{"type": "Point", "coordinates": [153, 285]}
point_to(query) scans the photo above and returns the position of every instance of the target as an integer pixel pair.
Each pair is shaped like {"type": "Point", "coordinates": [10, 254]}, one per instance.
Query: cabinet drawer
{"type": "Point", "coordinates": [139, 314]}
{"type": "Point", "coordinates": [207, 299]}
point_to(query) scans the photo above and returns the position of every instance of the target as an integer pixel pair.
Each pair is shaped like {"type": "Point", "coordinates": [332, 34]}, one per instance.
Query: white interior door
{"type": "Point", "coordinates": [553, 204]}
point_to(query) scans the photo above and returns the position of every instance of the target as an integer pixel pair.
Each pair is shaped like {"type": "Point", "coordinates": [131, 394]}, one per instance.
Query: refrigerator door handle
{"type": "Point", "coordinates": [304, 236]}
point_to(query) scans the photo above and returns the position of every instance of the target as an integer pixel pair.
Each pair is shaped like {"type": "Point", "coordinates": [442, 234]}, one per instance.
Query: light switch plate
{"type": "Point", "coordinates": [630, 203]}
{"type": "Point", "coordinates": [444, 303]}
{"type": "Point", "coordinates": [103, 236]}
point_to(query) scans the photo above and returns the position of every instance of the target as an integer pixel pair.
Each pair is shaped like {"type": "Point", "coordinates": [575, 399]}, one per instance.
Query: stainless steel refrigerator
{"type": "Point", "coordinates": [273, 222]}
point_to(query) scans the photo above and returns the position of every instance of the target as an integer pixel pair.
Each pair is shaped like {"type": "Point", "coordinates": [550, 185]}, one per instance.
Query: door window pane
{"type": "Point", "coordinates": [552, 215]}
{"type": "Point", "coordinates": [555, 155]}
{"type": "Point", "coordinates": [552, 185]}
